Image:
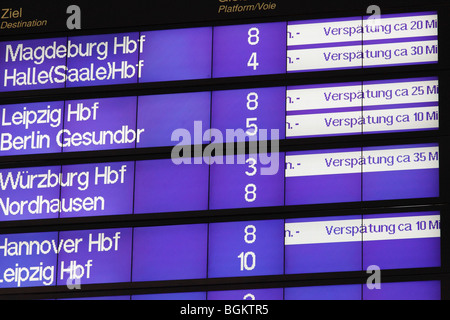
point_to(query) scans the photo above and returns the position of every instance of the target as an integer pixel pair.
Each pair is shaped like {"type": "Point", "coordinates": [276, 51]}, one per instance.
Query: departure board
{"type": "Point", "coordinates": [216, 52]}
{"type": "Point", "coordinates": [238, 151]}
{"type": "Point", "coordinates": [196, 251]}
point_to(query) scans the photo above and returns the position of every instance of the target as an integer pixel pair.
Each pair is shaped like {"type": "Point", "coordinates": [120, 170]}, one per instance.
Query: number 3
{"type": "Point", "coordinates": [252, 165]}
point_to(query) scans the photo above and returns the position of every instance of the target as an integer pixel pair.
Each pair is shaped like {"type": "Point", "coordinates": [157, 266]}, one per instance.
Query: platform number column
{"type": "Point", "coordinates": [248, 259]}
{"type": "Point", "coordinates": [253, 40]}
{"type": "Point", "coordinates": [248, 50]}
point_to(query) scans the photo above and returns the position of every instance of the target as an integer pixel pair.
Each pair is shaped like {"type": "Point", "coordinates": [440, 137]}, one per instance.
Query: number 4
{"type": "Point", "coordinates": [253, 61]}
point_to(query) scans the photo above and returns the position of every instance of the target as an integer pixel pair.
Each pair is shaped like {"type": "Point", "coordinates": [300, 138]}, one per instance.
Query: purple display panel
{"type": "Point", "coordinates": [256, 114]}
{"type": "Point", "coordinates": [30, 128]}
{"type": "Point", "coordinates": [331, 244]}
{"type": "Point", "coordinates": [171, 296]}
{"type": "Point", "coordinates": [94, 256]}
{"type": "Point", "coordinates": [417, 290]}
{"type": "Point", "coordinates": [169, 117]}
{"type": "Point", "coordinates": [162, 186]}
{"type": "Point", "coordinates": [240, 249]}
{"type": "Point", "coordinates": [389, 241]}
{"type": "Point", "coordinates": [247, 50]}
{"type": "Point", "coordinates": [244, 181]}
{"type": "Point", "coordinates": [28, 260]}
{"type": "Point", "coordinates": [33, 64]}
{"type": "Point", "coordinates": [338, 292]}
{"type": "Point", "coordinates": [324, 176]}
{"type": "Point", "coordinates": [30, 193]}
{"type": "Point", "coordinates": [250, 294]}
{"type": "Point", "coordinates": [97, 189]}
{"type": "Point", "coordinates": [179, 54]}
{"type": "Point", "coordinates": [396, 241]}
{"type": "Point", "coordinates": [104, 59]}
{"type": "Point", "coordinates": [170, 252]}
{"type": "Point", "coordinates": [401, 172]}
{"type": "Point", "coordinates": [100, 124]}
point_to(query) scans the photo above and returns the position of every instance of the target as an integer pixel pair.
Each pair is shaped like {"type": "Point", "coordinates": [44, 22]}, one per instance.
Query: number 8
{"type": "Point", "coordinates": [252, 101]}
{"type": "Point", "coordinates": [253, 36]}
{"type": "Point", "coordinates": [250, 192]}
{"type": "Point", "coordinates": [250, 234]}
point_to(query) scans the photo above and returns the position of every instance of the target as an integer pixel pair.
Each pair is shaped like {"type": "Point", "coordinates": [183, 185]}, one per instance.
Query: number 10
{"type": "Point", "coordinates": [248, 260]}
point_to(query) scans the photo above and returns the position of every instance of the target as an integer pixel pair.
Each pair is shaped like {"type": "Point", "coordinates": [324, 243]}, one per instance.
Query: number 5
{"type": "Point", "coordinates": [251, 125]}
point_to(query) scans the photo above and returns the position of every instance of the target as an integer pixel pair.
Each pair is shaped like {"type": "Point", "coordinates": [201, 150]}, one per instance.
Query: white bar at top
{"type": "Point", "coordinates": [321, 124]}
{"type": "Point", "coordinates": [400, 53]}
{"type": "Point", "coordinates": [324, 58]}
{"type": "Point", "coordinates": [357, 162]}
{"type": "Point", "coordinates": [400, 159]}
{"type": "Point", "coordinates": [324, 98]}
{"type": "Point", "coordinates": [315, 164]}
{"type": "Point", "coordinates": [401, 27]}
{"type": "Point", "coordinates": [370, 55]}
{"type": "Point", "coordinates": [401, 119]}
{"type": "Point", "coordinates": [365, 94]}
{"type": "Point", "coordinates": [321, 32]}
{"type": "Point", "coordinates": [356, 230]}
{"type": "Point", "coordinates": [316, 33]}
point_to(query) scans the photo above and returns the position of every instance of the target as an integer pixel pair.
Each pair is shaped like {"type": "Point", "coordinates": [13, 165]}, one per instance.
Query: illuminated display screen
{"type": "Point", "coordinates": [96, 189]}
{"type": "Point", "coordinates": [24, 255]}
{"type": "Point", "coordinates": [160, 115]}
{"type": "Point", "coordinates": [158, 180]}
{"type": "Point", "coordinates": [220, 250]}
{"type": "Point", "coordinates": [50, 258]}
{"type": "Point", "coordinates": [170, 252]}
{"type": "Point", "coordinates": [366, 174]}
{"type": "Point", "coordinates": [402, 105]}
{"type": "Point", "coordinates": [362, 107]}
{"type": "Point", "coordinates": [331, 44]}
{"type": "Point", "coordinates": [94, 256]}
{"type": "Point", "coordinates": [354, 242]}
{"type": "Point", "coordinates": [253, 180]}
{"type": "Point", "coordinates": [68, 191]}
{"type": "Point", "coordinates": [143, 189]}
{"type": "Point", "coordinates": [99, 125]}
{"type": "Point", "coordinates": [97, 59]}
{"type": "Point", "coordinates": [259, 49]}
